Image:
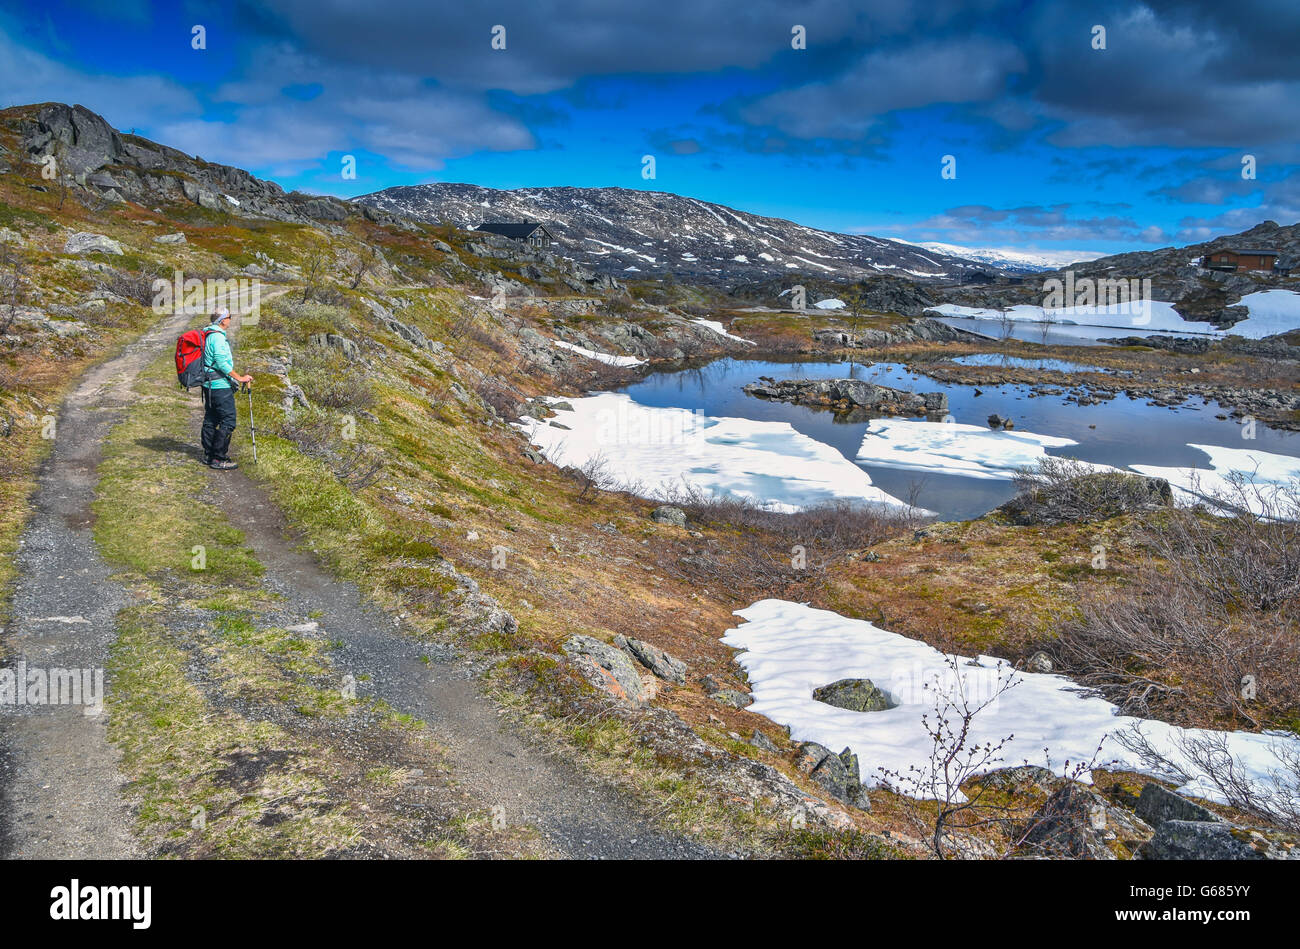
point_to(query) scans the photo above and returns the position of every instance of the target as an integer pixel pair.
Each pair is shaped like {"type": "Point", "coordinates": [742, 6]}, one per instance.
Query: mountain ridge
{"type": "Point", "coordinates": [626, 232]}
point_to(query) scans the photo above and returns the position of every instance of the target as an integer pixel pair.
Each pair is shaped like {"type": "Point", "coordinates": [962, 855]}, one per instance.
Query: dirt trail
{"type": "Point", "coordinates": [578, 816]}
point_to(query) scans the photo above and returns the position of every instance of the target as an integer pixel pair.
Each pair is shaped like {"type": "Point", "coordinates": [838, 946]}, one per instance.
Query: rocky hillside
{"type": "Point", "coordinates": [117, 167]}
{"type": "Point", "coordinates": [1175, 275]}
{"type": "Point", "coordinates": [629, 233]}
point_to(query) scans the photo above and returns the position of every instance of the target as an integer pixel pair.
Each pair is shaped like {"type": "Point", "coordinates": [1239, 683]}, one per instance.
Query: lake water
{"type": "Point", "coordinates": [1058, 334]}
{"type": "Point", "coordinates": [1128, 431]}
{"type": "Point", "coordinates": [1020, 362]}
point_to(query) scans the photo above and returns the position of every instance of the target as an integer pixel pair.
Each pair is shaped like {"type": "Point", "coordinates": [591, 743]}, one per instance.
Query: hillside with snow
{"type": "Point", "coordinates": [1008, 260]}
{"type": "Point", "coordinates": [629, 233]}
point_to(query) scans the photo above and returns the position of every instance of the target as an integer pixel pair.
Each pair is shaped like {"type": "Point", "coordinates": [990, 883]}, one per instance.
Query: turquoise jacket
{"type": "Point", "coordinates": [217, 357]}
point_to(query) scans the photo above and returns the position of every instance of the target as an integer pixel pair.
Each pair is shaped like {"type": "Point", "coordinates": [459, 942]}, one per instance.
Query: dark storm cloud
{"type": "Point", "coordinates": [1171, 74]}
{"type": "Point", "coordinates": [1187, 73]}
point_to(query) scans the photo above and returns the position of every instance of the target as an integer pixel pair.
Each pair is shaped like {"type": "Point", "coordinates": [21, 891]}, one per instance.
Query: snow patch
{"type": "Point", "coordinates": [975, 451]}
{"type": "Point", "coordinates": [657, 452]}
{"type": "Point", "coordinates": [1271, 312]}
{"type": "Point", "coordinates": [791, 649]}
{"type": "Point", "coordinates": [718, 328]}
{"type": "Point", "coordinates": [1149, 316]}
{"type": "Point", "coordinates": [606, 358]}
{"type": "Point", "coordinates": [1262, 476]}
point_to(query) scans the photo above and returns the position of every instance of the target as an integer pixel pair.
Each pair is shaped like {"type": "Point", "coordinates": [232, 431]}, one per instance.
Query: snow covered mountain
{"type": "Point", "coordinates": [1011, 261]}
{"type": "Point", "coordinates": [643, 233]}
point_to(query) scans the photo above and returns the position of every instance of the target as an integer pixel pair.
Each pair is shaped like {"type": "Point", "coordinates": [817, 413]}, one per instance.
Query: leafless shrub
{"type": "Point", "coordinates": [778, 551]}
{"type": "Point", "coordinates": [1205, 629]}
{"type": "Point", "coordinates": [136, 286]}
{"type": "Point", "coordinates": [360, 264]}
{"type": "Point", "coordinates": [1065, 490]}
{"type": "Point", "coordinates": [832, 528]}
{"type": "Point", "coordinates": [319, 436]}
{"type": "Point", "coordinates": [464, 319]}
{"type": "Point", "coordinates": [498, 395]}
{"type": "Point", "coordinates": [945, 795]}
{"type": "Point", "coordinates": [1006, 323]}
{"type": "Point", "coordinates": [314, 267]}
{"type": "Point", "coordinates": [1207, 756]}
{"type": "Point", "coordinates": [592, 475]}
{"type": "Point", "coordinates": [359, 466]}
{"type": "Point", "coordinates": [1252, 557]}
{"type": "Point", "coordinates": [619, 305]}
{"type": "Point", "coordinates": [330, 380]}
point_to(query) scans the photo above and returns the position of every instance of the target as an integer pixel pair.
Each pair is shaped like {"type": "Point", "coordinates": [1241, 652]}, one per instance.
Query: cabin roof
{"type": "Point", "coordinates": [519, 231]}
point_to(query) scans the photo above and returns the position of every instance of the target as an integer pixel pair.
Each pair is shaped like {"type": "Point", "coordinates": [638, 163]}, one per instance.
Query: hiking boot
{"type": "Point", "coordinates": [224, 464]}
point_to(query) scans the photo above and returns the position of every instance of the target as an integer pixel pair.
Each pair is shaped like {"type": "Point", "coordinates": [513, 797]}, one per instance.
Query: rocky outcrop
{"type": "Point", "coordinates": [667, 514]}
{"type": "Point", "coordinates": [838, 774]}
{"type": "Point", "coordinates": [922, 329]}
{"type": "Point", "coordinates": [349, 349]}
{"type": "Point", "coordinates": [1077, 823]}
{"type": "Point", "coordinates": [606, 667]}
{"type": "Point", "coordinates": [1216, 840]}
{"type": "Point", "coordinates": [1089, 497]}
{"type": "Point", "coordinates": [1158, 804]}
{"type": "Point", "coordinates": [854, 396]}
{"type": "Point", "coordinates": [411, 334]}
{"type": "Point", "coordinates": [86, 243]}
{"type": "Point", "coordinates": [666, 667]}
{"type": "Point", "coordinates": [117, 166]}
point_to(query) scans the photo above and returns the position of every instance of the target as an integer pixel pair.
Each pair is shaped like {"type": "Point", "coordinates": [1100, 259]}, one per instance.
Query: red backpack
{"type": "Point", "coordinates": [189, 359]}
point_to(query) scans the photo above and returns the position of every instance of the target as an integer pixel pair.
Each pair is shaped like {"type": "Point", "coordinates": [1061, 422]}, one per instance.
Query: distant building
{"type": "Point", "coordinates": [534, 235]}
{"type": "Point", "coordinates": [1238, 259]}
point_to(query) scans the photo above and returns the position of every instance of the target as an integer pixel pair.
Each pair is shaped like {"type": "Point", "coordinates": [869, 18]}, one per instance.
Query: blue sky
{"type": "Point", "coordinates": [1058, 145]}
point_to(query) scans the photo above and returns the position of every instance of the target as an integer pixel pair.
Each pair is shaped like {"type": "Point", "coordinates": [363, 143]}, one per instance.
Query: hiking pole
{"type": "Point", "coordinates": [251, 427]}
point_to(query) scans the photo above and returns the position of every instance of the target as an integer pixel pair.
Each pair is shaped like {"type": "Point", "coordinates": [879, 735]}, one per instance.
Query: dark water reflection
{"type": "Point", "coordinates": [1127, 431]}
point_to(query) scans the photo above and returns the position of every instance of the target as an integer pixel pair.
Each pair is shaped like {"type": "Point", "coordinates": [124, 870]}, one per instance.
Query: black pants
{"type": "Point", "coordinates": [218, 423]}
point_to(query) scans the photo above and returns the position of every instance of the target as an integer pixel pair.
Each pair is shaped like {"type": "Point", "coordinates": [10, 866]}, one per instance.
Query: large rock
{"type": "Point", "coordinates": [655, 659]}
{"type": "Point", "coordinates": [1158, 804]}
{"type": "Point", "coordinates": [86, 243]}
{"type": "Point", "coordinates": [1215, 840]}
{"type": "Point", "coordinates": [856, 695]}
{"type": "Point", "coordinates": [606, 667]}
{"type": "Point", "coordinates": [667, 514]}
{"type": "Point", "coordinates": [1077, 823]}
{"type": "Point", "coordinates": [732, 697]}
{"type": "Point", "coordinates": [177, 238]}
{"type": "Point", "coordinates": [838, 774]}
